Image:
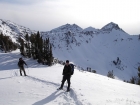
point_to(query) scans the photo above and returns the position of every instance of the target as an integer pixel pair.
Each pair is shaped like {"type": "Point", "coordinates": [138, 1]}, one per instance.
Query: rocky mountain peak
{"type": "Point", "coordinates": [110, 26]}
{"type": "Point", "coordinates": [67, 27]}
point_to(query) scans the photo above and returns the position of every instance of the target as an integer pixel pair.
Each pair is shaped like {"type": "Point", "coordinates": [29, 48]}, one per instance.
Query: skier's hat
{"type": "Point", "coordinates": [67, 61]}
{"type": "Point", "coordinates": [20, 58]}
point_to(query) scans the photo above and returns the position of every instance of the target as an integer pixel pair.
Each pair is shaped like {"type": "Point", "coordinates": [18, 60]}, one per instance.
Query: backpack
{"type": "Point", "coordinates": [20, 63]}
{"type": "Point", "coordinates": [72, 69]}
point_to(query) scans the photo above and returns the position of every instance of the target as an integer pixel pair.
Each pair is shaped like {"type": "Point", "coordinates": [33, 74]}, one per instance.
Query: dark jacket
{"type": "Point", "coordinates": [67, 70]}
{"type": "Point", "coordinates": [21, 63]}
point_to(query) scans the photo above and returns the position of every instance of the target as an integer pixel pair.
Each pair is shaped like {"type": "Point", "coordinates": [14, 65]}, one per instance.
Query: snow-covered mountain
{"type": "Point", "coordinates": [110, 26]}
{"type": "Point", "coordinates": [13, 30]}
{"type": "Point", "coordinates": [98, 49]}
{"type": "Point", "coordinates": [67, 27]}
{"type": "Point", "coordinates": [94, 48]}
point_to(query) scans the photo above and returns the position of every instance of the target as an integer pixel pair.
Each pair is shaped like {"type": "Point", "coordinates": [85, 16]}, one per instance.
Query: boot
{"type": "Point", "coordinates": [60, 88]}
{"type": "Point", "coordinates": [24, 73]}
{"type": "Point", "coordinates": [68, 90]}
{"type": "Point", "coordinates": [20, 73]}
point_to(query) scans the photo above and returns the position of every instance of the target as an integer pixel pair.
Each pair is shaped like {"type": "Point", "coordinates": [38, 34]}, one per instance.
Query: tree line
{"type": "Point", "coordinates": [36, 47]}
{"type": "Point", "coordinates": [6, 43]}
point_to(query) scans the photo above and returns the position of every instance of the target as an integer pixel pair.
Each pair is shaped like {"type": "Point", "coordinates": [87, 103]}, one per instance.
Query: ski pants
{"type": "Point", "coordinates": [22, 69]}
{"type": "Point", "coordinates": [66, 77]}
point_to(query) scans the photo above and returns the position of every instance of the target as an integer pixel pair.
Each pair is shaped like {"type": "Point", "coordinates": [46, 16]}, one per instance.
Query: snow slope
{"type": "Point", "coordinates": [39, 87]}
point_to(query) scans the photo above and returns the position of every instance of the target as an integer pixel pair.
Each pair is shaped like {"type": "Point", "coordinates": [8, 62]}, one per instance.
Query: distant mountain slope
{"type": "Point", "coordinates": [13, 30]}
{"type": "Point", "coordinates": [93, 48]}
{"type": "Point", "coordinates": [110, 26]}
{"type": "Point", "coordinates": [67, 27]}
{"type": "Point", "coordinates": [97, 50]}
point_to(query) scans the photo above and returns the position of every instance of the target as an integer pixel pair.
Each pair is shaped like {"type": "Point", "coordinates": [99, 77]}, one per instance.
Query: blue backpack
{"type": "Point", "coordinates": [72, 69]}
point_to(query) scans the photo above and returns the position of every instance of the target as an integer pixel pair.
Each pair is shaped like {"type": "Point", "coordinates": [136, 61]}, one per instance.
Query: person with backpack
{"type": "Point", "coordinates": [66, 75]}
{"type": "Point", "coordinates": [21, 66]}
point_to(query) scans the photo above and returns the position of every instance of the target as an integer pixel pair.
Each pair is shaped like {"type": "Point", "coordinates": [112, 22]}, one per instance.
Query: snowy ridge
{"type": "Point", "coordinates": [110, 26]}
{"type": "Point", "coordinates": [40, 86]}
{"type": "Point", "coordinates": [67, 27]}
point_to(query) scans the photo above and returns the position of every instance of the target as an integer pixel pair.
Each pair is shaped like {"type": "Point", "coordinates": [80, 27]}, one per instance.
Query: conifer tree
{"type": "Point", "coordinates": [6, 43]}
{"type": "Point", "coordinates": [32, 40]}
{"type": "Point", "coordinates": [138, 76]}
{"type": "Point", "coordinates": [50, 55]}
{"type": "Point", "coordinates": [37, 48]}
{"type": "Point", "coordinates": [47, 50]}
{"type": "Point", "coordinates": [44, 54]}
{"type": "Point", "coordinates": [21, 41]}
{"type": "Point", "coordinates": [28, 47]}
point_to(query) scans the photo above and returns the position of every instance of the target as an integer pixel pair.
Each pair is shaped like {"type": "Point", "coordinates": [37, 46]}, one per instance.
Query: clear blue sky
{"type": "Point", "coordinates": [44, 15]}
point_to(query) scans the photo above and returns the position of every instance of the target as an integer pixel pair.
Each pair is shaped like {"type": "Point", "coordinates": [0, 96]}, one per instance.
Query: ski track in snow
{"type": "Point", "coordinates": [68, 96]}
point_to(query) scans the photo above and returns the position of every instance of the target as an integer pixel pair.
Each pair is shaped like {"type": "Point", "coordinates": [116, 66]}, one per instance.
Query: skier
{"type": "Point", "coordinates": [21, 66]}
{"type": "Point", "coordinates": [66, 75]}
